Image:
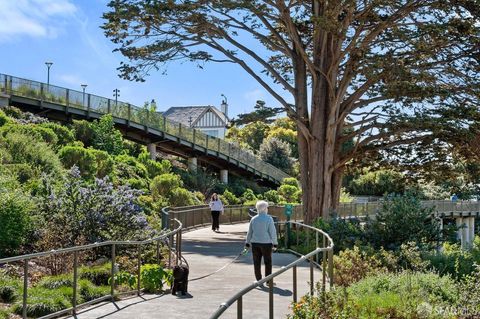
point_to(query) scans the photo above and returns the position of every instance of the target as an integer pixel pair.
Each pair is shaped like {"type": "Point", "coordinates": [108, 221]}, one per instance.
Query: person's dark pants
{"type": "Point", "coordinates": [215, 220]}
{"type": "Point", "coordinates": [259, 251]}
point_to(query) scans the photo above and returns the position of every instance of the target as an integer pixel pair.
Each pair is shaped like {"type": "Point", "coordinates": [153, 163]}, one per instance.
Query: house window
{"type": "Point", "coordinates": [213, 133]}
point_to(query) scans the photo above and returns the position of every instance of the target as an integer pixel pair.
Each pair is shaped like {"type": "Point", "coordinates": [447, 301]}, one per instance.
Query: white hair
{"type": "Point", "coordinates": [261, 206]}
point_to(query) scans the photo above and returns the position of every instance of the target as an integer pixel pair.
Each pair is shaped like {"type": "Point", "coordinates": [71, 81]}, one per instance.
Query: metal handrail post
{"type": "Point", "coordinates": [294, 283]}
{"type": "Point", "coordinates": [311, 276]}
{"type": "Point", "coordinates": [270, 298]}
{"type": "Point", "coordinates": [25, 287]}
{"type": "Point", "coordinates": [330, 267]}
{"type": "Point", "coordinates": [112, 274]}
{"type": "Point", "coordinates": [139, 269]}
{"type": "Point", "coordinates": [239, 308]}
{"type": "Point", "coordinates": [324, 266]}
{"type": "Point", "coordinates": [75, 268]}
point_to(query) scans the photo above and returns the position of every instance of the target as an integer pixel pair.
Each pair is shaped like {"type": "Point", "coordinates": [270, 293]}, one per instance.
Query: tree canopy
{"type": "Point", "coordinates": [383, 73]}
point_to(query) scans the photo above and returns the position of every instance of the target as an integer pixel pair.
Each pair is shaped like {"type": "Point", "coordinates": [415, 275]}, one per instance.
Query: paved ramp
{"type": "Point", "coordinates": [207, 252]}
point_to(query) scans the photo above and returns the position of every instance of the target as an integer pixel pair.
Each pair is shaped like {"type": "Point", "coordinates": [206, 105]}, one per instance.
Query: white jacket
{"type": "Point", "coordinates": [216, 205]}
{"type": "Point", "coordinates": [262, 230]}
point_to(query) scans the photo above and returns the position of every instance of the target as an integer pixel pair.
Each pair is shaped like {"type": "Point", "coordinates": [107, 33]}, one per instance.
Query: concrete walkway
{"type": "Point", "coordinates": [206, 252]}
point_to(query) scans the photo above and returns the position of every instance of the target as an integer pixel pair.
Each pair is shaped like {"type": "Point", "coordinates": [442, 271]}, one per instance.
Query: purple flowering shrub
{"type": "Point", "coordinates": [74, 212]}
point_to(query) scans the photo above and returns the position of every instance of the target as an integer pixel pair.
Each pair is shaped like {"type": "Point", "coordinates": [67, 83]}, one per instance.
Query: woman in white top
{"type": "Point", "coordinates": [216, 207]}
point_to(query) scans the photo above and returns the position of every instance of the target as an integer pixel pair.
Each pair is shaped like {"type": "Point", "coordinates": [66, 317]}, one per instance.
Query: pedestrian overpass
{"type": "Point", "coordinates": [139, 125]}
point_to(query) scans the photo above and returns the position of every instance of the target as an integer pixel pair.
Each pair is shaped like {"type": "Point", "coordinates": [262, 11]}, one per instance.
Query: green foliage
{"type": "Point", "coordinates": [181, 197]}
{"type": "Point", "coordinates": [289, 193]}
{"type": "Point", "coordinates": [163, 185]}
{"type": "Point", "coordinates": [54, 282]}
{"type": "Point", "coordinates": [23, 149]}
{"type": "Point", "coordinates": [106, 137]}
{"type": "Point", "coordinates": [81, 157]}
{"type": "Point", "coordinates": [88, 291]}
{"type": "Point", "coordinates": [104, 163]}
{"type": "Point", "coordinates": [402, 219]}
{"type": "Point", "coordinates": [277, 153]}
{"type": "Point", "coordinates": [261, 113]}
{"type": "Point", "coordinates": [65, 135]}
{"type": "Point", "coordinates": [229, 198]}
{"type": "Point", "coordinates": [286, 135]}
{"type": "Point", "coordinates": [15, 221]}
{"type": "Point", "coordinates": [154, 168]}
{"type": "Point", "coordinates": [248, 196]}
{"type": "Point", "coordinates": [290, 181]}
{"type": "Point", "coordinates": [125, 278]}
{"type": "Point", "coordinates": [84, 132]}
{"type": "Point", "coordinates": [98, 275]}
{"type": "Point", "coordinates": [378, 183]}
{"type": "Point", "coordinates": [127, 167]}
{"type": "Point", "coordinates": [345, 197]}
{"type": "Point", "coordinates": [153, 277]}
{"type": "Point", "coordinates": [9, 289]}
{"type": "Point", "coordinates": [345, 233]}
{"type": "Point", "coordinates": [42, 301]}
{"type": "Point", "coordinates": [251, 135]}
{"type": "Point", "coordinates": [36, 132]}
{"type": "Point", "coordinates": [200, 180]}
{"type": "Point", "coordinates": [272, 196]}
{"type": "Point", "coordinates": [3, 118]}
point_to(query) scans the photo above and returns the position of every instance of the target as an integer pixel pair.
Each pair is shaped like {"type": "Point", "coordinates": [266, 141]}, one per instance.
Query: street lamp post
{"type": "Point", "coordinates": [48, 64]}
{"type": "Point", "coordinates": [84, 86]}
{"type": "Point", "coordinates": [116, 94]}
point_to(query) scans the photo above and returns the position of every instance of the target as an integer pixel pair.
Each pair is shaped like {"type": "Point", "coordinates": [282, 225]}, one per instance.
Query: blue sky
{"type": "Point", "coordinates": [67, 33]}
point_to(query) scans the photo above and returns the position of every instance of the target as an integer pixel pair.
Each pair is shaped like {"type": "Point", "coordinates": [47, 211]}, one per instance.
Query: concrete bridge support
{"type": "Point", "coordinates": [192, 164]}
{"type": "Point", "coordinates": [152, 149]}
{"type": "Point", "coordinates": [466, 231]}
{"type": "Point", "coordinates": [224, 176]}
{"type": "Point", "coordinates": [4, 100]}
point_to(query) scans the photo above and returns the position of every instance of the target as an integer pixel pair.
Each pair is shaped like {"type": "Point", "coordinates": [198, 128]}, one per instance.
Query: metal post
{"type": "Point", "coordinates": [112, 274]}
{"type": "Point", "coordinates": [324, 266]}
{"type": "Point", "coordinates": [296, 231]}
{"type": "Point", "coordinates": [311, 276]}
{"type": "Point", "coordinates": [295, 283]}
{"type": "Point", "coordinates": [180, 244]}
{"type": "Point", "coordinates": [316, 245]}
{"type": "Point", "coordinates": [239, 308]}
{"type": "Point", "coordinates": [170, 251]}
{"type": "Point", "coordinates": [67, 99]}
{"type": "Point", "coordinates": [75, 267]}
{"type": "Point", "coordinates": [138, 269]}
{"type": "Point", "coordinates": [308, 238]}
{"type": "Point", "coordinates": [5, 85]}
{"type": "Point", "coordinates": [129, 112]}
{"type": "Point", "coordinates": [330, 266]}
{"type": "Point", "coordinates": [206, 144]}
{"type": "Point", "coordinates": [88, 106]}
{"type": "Point", "coordinates": [270, 298]}
{"type": "Point", "coordinates": [176, 247]}
{"type": "Point", "coordinates": [158, 252]}
{"type": "Point", "coordinates": [25, 287]}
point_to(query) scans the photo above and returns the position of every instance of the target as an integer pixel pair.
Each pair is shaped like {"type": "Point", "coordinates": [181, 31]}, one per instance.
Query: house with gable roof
{"type": "Point", "coordinates": [207, 119]}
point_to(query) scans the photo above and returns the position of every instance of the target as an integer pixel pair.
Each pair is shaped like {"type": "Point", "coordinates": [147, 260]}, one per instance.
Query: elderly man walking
{"type": "Point", "coordinates": [262, 237]}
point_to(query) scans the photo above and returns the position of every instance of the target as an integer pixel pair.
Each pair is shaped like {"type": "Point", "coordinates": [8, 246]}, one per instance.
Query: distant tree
{"type": "Point", "coordinates": [277, 153]}
{"type": "Point", "coordinates": [386, 70]}
{"type": "Point", "coordinates": [261, 113]}
{"type": "Point", "coordinates": [251, 135]}
{"type": "Point", "coordinates": [106, 137]}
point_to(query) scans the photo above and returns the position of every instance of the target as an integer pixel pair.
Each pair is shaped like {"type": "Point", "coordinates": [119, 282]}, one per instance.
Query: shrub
{"type": "Point", "coordinates": [3, 118]}
{"type": "Point", "coordinates": [104, 163]}
{"type": "Point", "coordinates": [65, 135]}
{"type": "Point", "coordinates": [22, 149]}
{"type": "Point", "coordinates": [125, 278]}
{"type": "Point", "coordinates": [99, 275]}
{"type": "Point", "coordinates": [277, 153]}
{"type": "Point", "coordinates": [248, 195]}
{"type": "Point", "coordinates": [154, 168]}
{"type": "Point", "coordinates": [15, 209]}
{"type": "Point", "coordinates": [153, 277]}
{"type": "Point", "coordinates": [230, 198]}
{"type": "Point", "coordinates": [9, 289]}
{"type": "Point", "coordinates": [345, 233]}
{"type": "Point", "coordinates": [162, 185]}
{"type": "Point", "coordinates": [181, 197]}
{"type": "Point", "coordinates": [272, 196]}
{"type": "Point", "coordinates": [54, 282]}
{"type": "Point", "coordinates": [81, 157]}
{"type": "Point", "coordinates": [378, 183]}
{"type": "Point", "coordinates": [401, 219]}
{"type": "Point", "coordinates": [106, 137]}
{"type": "Point", "coordinates": [89, 291]}
{"type": "Point", "coordinates": [130, 167]}
{"type": "Point", "coordinates": [289, 193]}
{"type": "Point", "coordinates": [83, 132]}
{"type": "Point", "coordinates": [42, 301]}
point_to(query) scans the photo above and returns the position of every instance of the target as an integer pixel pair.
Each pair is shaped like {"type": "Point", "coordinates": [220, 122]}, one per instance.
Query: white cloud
{"type": "Point", "coordinates": [33, 18]}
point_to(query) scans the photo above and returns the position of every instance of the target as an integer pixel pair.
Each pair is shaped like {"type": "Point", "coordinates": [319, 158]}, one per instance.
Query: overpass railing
{"type": "Point", "coordinates": [171, 238]}
{"type": "Point", "coordinates": [197, 216]}
{"type": "Point", "coordinates": [323, 246]}
{"type": "Point", "coordinates": [346, 210]}
{"type": "Point", "coordinates": [73, 99]}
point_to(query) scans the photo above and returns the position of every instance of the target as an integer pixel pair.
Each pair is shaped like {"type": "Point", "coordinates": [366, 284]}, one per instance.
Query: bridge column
{"type": "Point", "coordinates": [224, 176]}
{"type": "Point", "coordinates": [460, 232]}
{"type": "Point", "coordinates": [466, 231]}
{"type": "Point", "coordinates": [152, 149]}
{"type": "Point", "coordinates": [471, 231]}
{"type": "Point", "coordinates": [192, 164]}
{"type": "Point", "coordinates": [4, 100]}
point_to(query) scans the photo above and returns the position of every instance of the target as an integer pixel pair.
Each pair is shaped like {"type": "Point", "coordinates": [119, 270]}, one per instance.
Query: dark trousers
{"type": "Point", "coordinates": [259, 251]}
{"type": "Point", "coordinates": [215, 219]}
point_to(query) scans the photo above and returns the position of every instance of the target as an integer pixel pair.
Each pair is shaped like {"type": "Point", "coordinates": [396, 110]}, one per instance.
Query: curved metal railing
{"type": "Point", "coordinates": [172, 238]}
{"type": "Point", "coordinates": [326, 249]}
{"type": "Point", "coordinates": [90, 103]}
